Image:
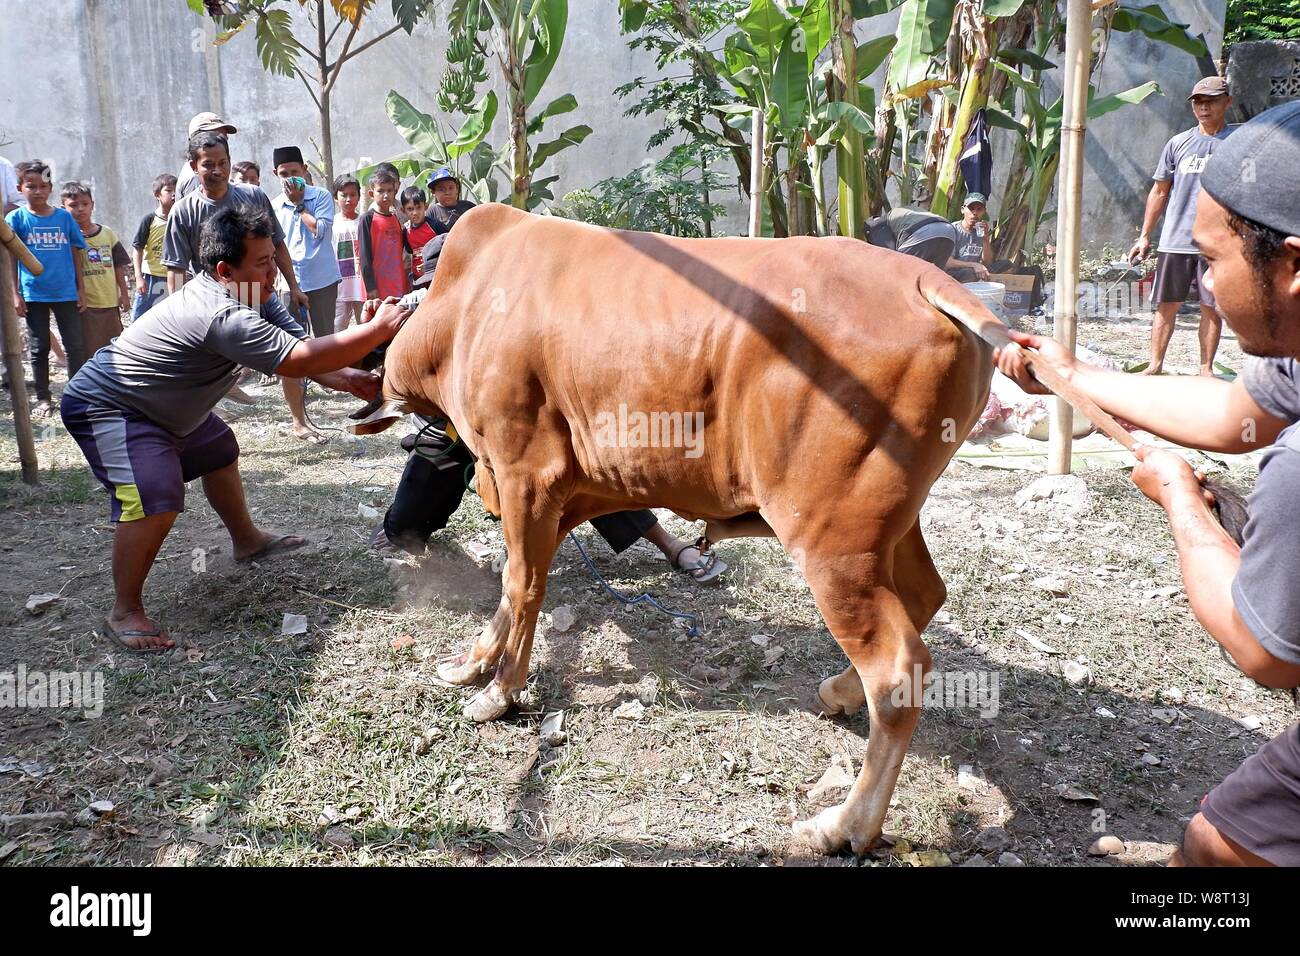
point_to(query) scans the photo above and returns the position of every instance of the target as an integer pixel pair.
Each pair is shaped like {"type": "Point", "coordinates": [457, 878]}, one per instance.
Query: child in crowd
{"type": "Point", "coordinates": [448, 206]}
{"type": "Point", "coordinates": [52, 235]}
{"type": "Point", "coordinates": [383, 245]}
{"type": "Point", "coordinates": [352, 289]}
{"type": "Point", "coordinates": [104, 275]}
{"type": "Point", "coordinates": [247, 172]}
{"type": "Point", "coordinates": [419, 231]}
{"type": "Point", "coordinates": [150, 273]}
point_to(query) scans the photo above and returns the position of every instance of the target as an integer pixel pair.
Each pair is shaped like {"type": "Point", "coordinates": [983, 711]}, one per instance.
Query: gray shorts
{"type": "Point", "coordinates": [1258, 804]}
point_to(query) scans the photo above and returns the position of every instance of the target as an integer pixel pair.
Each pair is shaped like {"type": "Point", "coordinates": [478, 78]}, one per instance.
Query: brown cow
{"type": "Point", "coordinates": [834, 387]}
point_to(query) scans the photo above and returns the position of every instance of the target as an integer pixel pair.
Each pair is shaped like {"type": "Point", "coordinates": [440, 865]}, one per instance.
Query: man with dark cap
{"type": "Point", "coordinates": [1177, 183]}
{"type": "Point", "coordinates": [1248, 228]}
{"type": "Point", "coordinates": [306, 215]}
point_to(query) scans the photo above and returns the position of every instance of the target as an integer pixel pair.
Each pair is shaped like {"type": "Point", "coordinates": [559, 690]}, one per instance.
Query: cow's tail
{"type": "Point", "coordinates": [961, 305]}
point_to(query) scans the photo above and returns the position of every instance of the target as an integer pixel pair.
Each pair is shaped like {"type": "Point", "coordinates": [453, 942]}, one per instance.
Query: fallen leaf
{"type": "Point", "coordinates": [1036, 644]}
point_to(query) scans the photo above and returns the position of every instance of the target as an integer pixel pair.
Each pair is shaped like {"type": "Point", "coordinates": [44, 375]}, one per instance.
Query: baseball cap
{"type": "Point", "coordinates": [432, 249]}
{"type": "Point", "coordinates": [441, 174]}
{"type": "Point", "coordinates": [210, 122]}
{"type": "Point", "coordinates": [1210, 86]}
{"type": "Point", "coordinates": [1255, 172]}
{"type": "Point", "coordinates": [975, 197]}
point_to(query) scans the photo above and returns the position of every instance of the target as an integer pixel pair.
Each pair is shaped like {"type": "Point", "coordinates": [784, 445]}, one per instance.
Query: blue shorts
{"type": "Point", "coordinates": [142, 465]}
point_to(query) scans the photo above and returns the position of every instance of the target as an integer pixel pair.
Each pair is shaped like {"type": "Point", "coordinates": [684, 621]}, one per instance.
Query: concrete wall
{"type": "Point", "coordinates": [107, 97]}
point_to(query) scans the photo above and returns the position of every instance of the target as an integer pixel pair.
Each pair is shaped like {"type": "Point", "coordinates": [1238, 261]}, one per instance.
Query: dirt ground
{"type": "Point", "coordinates": [338, 745]}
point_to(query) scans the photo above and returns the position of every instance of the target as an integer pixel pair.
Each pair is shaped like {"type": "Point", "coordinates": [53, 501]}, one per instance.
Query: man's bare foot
{"type": "Point", "coordinates": [1153, 370]}
{"type": "Point", "coordinates": [1207, 370]}
{"type": "Point", "coordinates": [135, 631]}
{"type": "Point", "coordinates": [237, 394]}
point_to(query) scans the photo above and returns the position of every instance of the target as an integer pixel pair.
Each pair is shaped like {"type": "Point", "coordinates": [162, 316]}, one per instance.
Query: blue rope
{"type": "Point", "coordinates": [692, 631]}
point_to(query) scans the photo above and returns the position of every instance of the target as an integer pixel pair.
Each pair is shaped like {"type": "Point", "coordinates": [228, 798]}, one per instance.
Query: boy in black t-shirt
{"type": "Point", "coordinates": [447, 206]}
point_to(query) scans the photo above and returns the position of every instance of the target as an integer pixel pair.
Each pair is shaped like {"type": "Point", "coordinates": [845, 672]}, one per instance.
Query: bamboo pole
{"type": "Point", "coordinates": [13, 349]}
{"type": "Point", "coordinates": [1069, 226]}
{"type": "Point", "coordinates": [850, 169]}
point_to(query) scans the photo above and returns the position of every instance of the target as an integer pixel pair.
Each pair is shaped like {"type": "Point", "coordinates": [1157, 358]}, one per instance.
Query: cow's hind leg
{"type": "Point", "coordinates": [923, 592]}
{"type": "Point", "coordinates": [868, 617]}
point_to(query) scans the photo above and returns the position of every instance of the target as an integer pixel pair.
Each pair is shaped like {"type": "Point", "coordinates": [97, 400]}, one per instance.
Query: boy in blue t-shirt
{"type": "Point", "coordinates": [52, 235]}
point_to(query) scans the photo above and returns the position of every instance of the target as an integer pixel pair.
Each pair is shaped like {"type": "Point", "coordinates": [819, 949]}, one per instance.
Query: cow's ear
{"type": "Point", "coordinates": [384, 417]}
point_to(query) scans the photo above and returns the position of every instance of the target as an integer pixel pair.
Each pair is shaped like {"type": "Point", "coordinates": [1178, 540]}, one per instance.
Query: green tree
{"type": "Point", "coordinates": [308, 50]}
{"type": "Point", "coordinates": [1261, 20]}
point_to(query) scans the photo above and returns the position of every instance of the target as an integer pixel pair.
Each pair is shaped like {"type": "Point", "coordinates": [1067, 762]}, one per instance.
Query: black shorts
{"type": "Point", "coordinates": [1258, 804]}
{"type": "Point", "coordinates": [1175, 273]}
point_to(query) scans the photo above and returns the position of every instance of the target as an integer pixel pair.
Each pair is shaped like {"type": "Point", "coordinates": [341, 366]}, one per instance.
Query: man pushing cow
{"type": "Point", "coordinates": [141, 409]}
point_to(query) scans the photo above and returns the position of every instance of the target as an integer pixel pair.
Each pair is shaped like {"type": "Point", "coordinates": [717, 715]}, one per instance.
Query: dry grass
{"type": "Point", "coordinates": [333, 747]}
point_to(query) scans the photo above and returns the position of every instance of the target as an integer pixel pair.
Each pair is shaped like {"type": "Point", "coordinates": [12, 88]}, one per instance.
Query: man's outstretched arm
{"type": "Point", "coordinates": [1192, 410]}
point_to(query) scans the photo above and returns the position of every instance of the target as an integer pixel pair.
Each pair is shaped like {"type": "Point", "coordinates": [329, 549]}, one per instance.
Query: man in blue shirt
{"type": "Point", "coordinates": [306, 215]}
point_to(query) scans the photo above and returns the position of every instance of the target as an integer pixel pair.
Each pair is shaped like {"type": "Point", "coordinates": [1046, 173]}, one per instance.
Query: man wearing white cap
{"type": "Point", "coordinates": [186, 180]}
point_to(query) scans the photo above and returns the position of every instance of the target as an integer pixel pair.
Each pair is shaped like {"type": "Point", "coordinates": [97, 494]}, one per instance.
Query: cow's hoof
{"type": "Point", "coordinates": [827, 834]}
{"type": "Point", "coordinates": [461, 671]}
{"type": "Point", "coordinates": [821, 700]}
{"type": "Point", "coordinates": [826, 703]}
{"type": "Point", "coordinates": [488, 704]}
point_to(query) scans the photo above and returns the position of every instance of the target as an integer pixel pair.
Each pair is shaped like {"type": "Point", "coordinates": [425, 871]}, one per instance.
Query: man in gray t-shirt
{"type": "Point", "coordinates": [141, 409]}
{"type": "Point", "coordinates": [1177, 184]}
{"type": "Point", "coordinates": [1244, 594]}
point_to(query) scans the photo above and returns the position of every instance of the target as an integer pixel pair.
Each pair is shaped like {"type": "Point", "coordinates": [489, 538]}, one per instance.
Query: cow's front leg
{"type": "Point", "coordinates": [531, 543]}
{"type": "Point", "coordinates": [478, 663]}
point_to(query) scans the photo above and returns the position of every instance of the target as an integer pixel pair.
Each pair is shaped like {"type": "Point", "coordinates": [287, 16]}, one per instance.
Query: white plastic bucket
{"type": "Point", "coordinates": [992, 294]}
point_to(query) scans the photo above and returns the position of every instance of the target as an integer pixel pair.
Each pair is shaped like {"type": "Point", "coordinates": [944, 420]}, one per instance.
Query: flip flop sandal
{"type": "Point", "coordinates": [314, 438]}
{"type": "Point", "coordinates": [119, 638]}
{"type": "Point", "coordinates": [42, 409]}
{"type": "Point", "coordinates": [283, 543]}
{"type": "Point", "coordinates": [711, 565]}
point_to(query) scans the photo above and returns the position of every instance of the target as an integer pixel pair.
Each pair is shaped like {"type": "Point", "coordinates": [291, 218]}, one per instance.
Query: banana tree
{"type": "Point", "coordinates": [466, 152]}
{"type": "Point", "coordinates": [527, 36]}
{"type": "Point", "coordinates": [1034, 164]}
{"type": "Point", "coordinates": [1039, 143]}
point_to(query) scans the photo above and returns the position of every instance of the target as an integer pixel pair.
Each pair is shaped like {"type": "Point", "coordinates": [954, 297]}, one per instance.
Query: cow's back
{"type": "Point", "coordinates": [775, 343]}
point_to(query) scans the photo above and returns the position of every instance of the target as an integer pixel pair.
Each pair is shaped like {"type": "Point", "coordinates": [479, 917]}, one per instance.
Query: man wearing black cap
{"type": "Point", "coordinates": [306, 214]}
{"type": "Point", "coordinates": [1248, 228]}
{"type": "Point", "coordinates": [1177, 183]}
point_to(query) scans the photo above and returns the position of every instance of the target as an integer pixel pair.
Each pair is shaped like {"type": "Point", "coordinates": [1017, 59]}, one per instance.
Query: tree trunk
{"type": "Point", "coordinates": [326, 141]}
{"type": "Point", "coordinates": [516, 78]}
{"type": "Point", "coordinates": [759, 127]}
{"type": "Point", "coordinates": [326, 132]}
